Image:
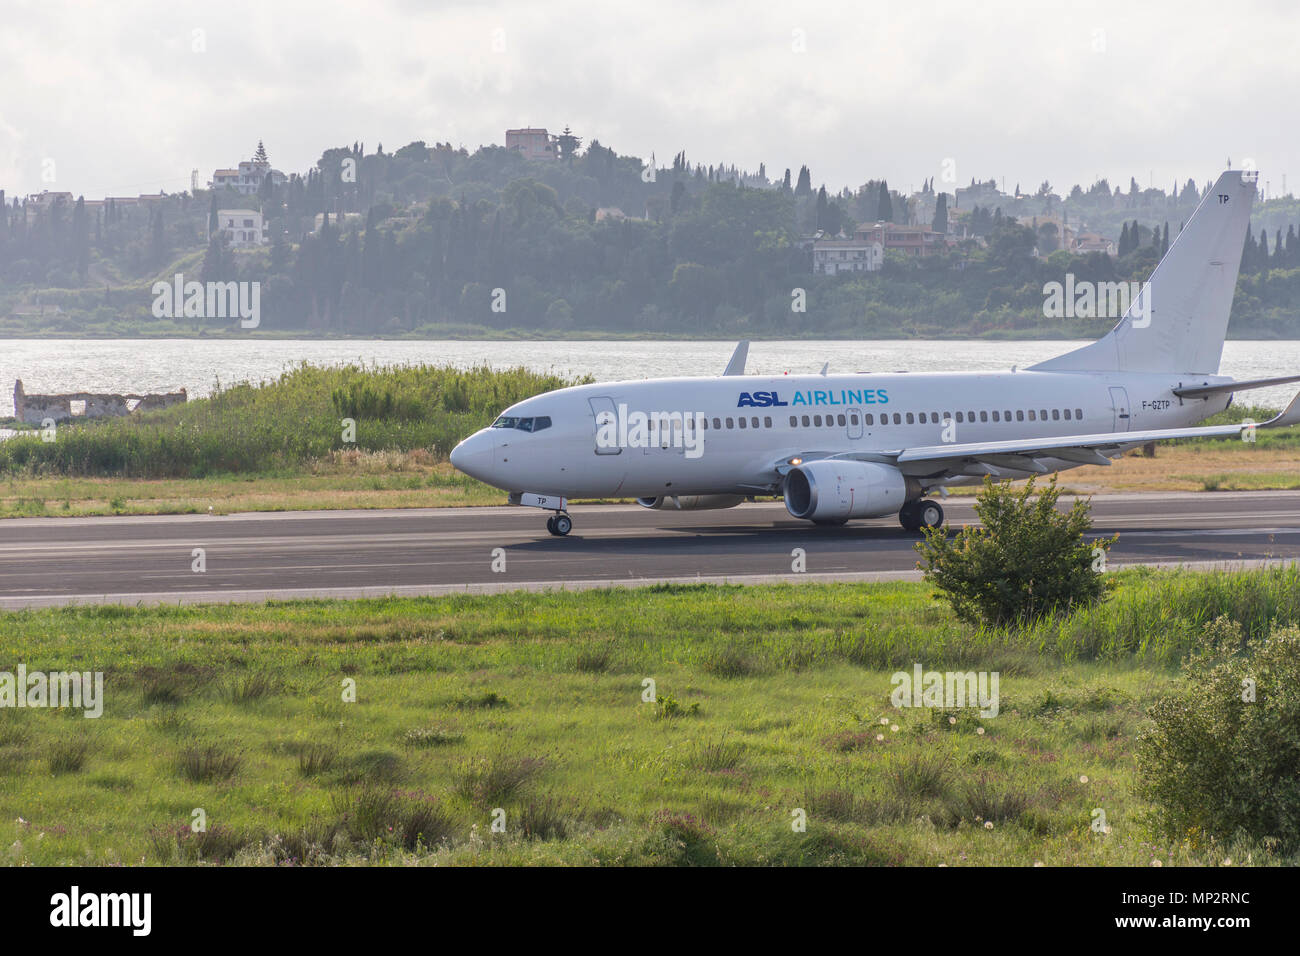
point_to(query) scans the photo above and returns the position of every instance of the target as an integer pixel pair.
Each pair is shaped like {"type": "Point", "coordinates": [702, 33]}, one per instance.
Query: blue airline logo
{"type": "Point", "coordinates": [845, 396]}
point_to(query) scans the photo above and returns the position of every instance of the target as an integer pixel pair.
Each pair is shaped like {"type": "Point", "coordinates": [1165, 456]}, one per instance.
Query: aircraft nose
{"type": "Point", "coordinates": [475, 455]}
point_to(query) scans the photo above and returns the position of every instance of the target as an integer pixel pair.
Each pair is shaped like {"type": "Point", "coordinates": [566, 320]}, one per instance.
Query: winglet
{"type": "Point", "coordinates": [737, 364]}
{"type": "Point", "coordinates": [1291, 416]}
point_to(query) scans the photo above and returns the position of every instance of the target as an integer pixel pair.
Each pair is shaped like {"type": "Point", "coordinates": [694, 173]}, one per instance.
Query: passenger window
{"type": "Point", "coordinates": [970, 416]}
{"type": "Point", "coordinates": [1056, 414]}
{"type": "Point", "coordinates": [805, 421]}
{"type": "Point", "coordinates": [731, 423]}
{"type": "Point", "coordinates": [1078, 413]}
{"type": "Point", "coordinates": [984, 416]}
{"type": "Point", "coordinates": [853, 419]}
{"type": "Point", "coordinates": [1032, 416]}
{"type": "Point", "coordinates": [960, 417]}
{"type": "Point", "coordinates": [922, 418]}
{"type": "Point", "coordinates": [1020, 414]}
{"type": "Point", "coordinates": [817, 420]}
{"type": "Point", "coordinates": [934, 418]}
{"type": "Point", "coordinates": [1006, 416]}
{"type": "Point", "coordinates": [995, 417]}
{"type": "Point", "coordinates": [910, 419]}
{"type": "Point", "coordinates": [842, 420]}
{"type": "Point", "coordinates": [767, 422]}
{"type": "Point", "coordinates": [869, 419]}
{"type": "Point", "coordinates": [1067, 414]}
{"type": "Point", "coordinates": [717, 423]}
{"type": "Point", "coordinates": [898, 419]}
{"type": "Point", "coordinates": [1043, 414]}
{"type": "Point", "coordinates": [794, 422]}
{"type": "Point", "coordinates": [947, 416]}
{"type": "Point", "coordinates": [743, 423]}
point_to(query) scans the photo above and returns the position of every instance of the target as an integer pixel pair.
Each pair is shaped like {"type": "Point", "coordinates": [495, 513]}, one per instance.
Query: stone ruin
{"type": "Point", "coordinates": [35, 409]}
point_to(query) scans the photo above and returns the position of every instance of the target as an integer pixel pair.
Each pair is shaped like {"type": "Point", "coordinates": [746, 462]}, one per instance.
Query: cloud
{"type": "Point", "coordinates": [129, 102]}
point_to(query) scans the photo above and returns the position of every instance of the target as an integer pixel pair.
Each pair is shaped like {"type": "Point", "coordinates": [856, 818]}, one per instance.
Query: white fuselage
{"type": "Point", "coordinates": [803, 415]}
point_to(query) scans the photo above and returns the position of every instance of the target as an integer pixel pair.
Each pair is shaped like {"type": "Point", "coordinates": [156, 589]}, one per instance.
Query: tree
{"type": "Point", "coordinates": [884, 208]}
{"type": "Point", "coordinates": [940, 223]}
{"type": "Point", "coordinates": [804, 186]}
{"type": "Point", "coordinates": [80, 236]}
{"type": "Point", "coordinates": [157, 238]}
{"type": "Point", "coordinates": [567, 144]}
{"type": "Point", "coordinates": [259, 155]}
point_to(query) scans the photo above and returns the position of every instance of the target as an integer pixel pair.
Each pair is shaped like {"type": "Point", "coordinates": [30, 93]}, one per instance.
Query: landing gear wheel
{"type": "Point", "coordinates": [909, 516]}
{"type": "Point", "coordinates": [550, 524]}
{"type": "Point", "coordinates": [561, 525]}
{"type": "Point", "coordinates": [930, 514]}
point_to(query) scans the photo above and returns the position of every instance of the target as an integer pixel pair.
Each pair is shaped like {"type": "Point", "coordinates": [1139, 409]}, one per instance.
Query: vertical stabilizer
{"type": "Point", "coordinates": [1179, 321]}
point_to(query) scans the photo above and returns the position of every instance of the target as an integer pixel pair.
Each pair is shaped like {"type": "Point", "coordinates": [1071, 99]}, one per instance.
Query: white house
{"type": "Point", "coordinates": [833, 256]}
{"type": "Point", "coordinates": [243, 227]}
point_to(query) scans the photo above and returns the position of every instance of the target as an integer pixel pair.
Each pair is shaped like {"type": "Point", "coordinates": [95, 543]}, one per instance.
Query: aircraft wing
{"type": "Point", "coordinates": [1023, 455]}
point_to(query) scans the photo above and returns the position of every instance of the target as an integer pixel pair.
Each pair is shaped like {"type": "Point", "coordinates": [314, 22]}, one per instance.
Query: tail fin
{"type": "Point", "coordinates": [1179, 321]}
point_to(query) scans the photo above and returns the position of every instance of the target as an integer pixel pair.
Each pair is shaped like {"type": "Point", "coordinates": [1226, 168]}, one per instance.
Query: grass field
{"type": "Point", "coordinates": [768, 701]}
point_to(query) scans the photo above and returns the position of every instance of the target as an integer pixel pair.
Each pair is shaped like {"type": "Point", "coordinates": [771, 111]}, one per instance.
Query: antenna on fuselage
{"type": "Point", "coordinates": [825, 368]}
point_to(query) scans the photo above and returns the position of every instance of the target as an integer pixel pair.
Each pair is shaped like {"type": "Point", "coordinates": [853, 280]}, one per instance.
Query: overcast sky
{"type": "Point", "coordinates": [131, 96]}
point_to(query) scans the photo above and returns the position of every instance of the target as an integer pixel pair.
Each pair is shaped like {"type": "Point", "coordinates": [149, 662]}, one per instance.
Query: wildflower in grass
{"type": "Point", "coordinates": [880, 736]}
{"type": "Point", "coordinates": [952, 720]}
{"type": "Point", "coordinates": [988, 824]}
{"type": "Point", "coordinates": [1157, 862]}
{"type": "Point", "coordinates": [893, 728]}
{"type": "Point", "coordinates": [979, 730]}
{"type": "Point", "coordinates": [1083, 778]}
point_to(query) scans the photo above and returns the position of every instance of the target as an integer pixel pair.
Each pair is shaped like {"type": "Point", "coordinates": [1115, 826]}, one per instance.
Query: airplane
{"type": "Point", "coordinates": [839, 447]}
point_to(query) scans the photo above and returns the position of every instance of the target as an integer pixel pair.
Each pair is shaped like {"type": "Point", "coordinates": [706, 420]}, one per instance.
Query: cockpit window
{"type": "Point", "coordinates": [523, 424]}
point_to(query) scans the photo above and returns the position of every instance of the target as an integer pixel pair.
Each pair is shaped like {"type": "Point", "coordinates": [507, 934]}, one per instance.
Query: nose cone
{"type": "Point", "coordinates": [475, 455]}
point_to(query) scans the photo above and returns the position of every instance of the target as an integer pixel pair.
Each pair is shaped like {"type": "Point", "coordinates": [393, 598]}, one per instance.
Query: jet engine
{"type": "Point", "coordinates": [836, 489]}
{"type": "Point", "coordinates": [691, 502]}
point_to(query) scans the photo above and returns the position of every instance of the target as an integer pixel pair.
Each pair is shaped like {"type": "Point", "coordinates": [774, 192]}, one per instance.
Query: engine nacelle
{"type": "Point", "coordinates": [691, 502]}
{"type": "Point", "coordinates": [835, 489]}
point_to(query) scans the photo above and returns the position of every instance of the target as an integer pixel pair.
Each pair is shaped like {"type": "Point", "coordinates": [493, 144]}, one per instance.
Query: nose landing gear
{"type": "Point", "coordinates": [916, 515]}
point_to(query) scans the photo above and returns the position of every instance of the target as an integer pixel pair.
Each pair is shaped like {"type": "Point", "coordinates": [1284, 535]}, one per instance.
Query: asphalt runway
{"type": "Point", "coordinates": [252, 557]}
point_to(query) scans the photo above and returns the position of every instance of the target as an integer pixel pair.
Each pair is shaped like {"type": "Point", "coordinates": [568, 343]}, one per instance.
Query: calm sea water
{"type": "Point", "coordinates": [156, 365]}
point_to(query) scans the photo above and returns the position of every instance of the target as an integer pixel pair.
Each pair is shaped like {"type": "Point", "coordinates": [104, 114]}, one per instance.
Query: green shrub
{"type": "Point", "coordinates": [1223, 756]}
{"type": "Point", "coordinates": [1026, 562]}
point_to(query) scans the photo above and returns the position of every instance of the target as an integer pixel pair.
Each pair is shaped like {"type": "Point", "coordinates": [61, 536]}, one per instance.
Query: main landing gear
{"type": "Point", "coordinates": [559, 524]}
{"type": "Point", "coordinates": [916, 515]}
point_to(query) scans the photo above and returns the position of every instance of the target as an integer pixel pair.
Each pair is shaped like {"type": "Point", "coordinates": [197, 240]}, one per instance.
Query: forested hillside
{"type": "Point", "coordinates": [439, 241]}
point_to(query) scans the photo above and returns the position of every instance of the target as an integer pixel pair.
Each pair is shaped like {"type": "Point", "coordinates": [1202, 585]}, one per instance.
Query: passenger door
{"type": "Point", "coordinates": [1119, 404]}
{"type": "Point", "coordinates": [603, 406]}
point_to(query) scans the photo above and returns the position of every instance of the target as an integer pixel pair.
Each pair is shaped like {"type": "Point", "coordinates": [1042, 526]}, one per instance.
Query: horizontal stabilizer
{"type": "Point", "coordinates": [1200, 391]}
